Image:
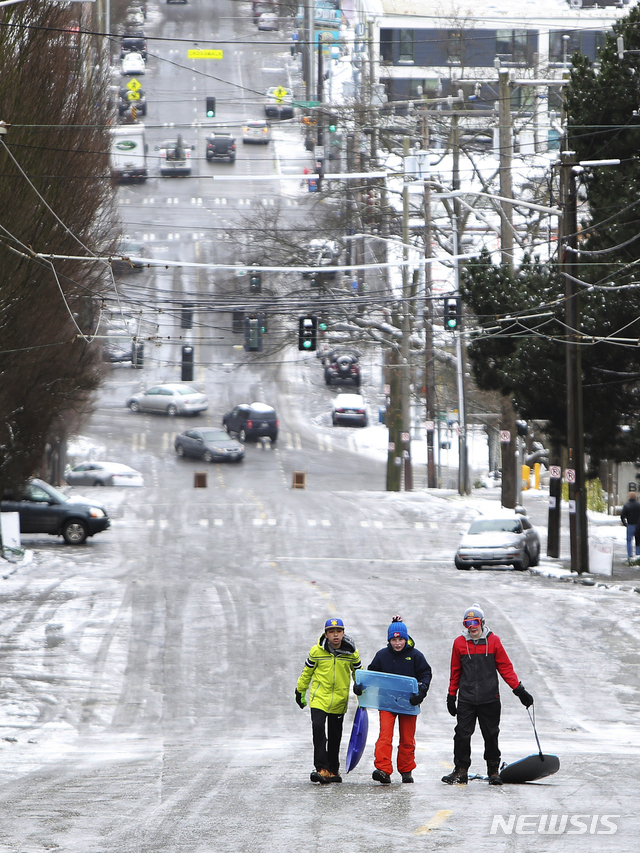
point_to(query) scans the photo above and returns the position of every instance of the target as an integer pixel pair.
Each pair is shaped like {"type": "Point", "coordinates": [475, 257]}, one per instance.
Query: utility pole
{"type": "Point", "coordinates": [431, 411]}
{"type": "Point", "coordinates": [574, 472]}
{"type": "Point", "coordinates": [308, 63]}
{"type": "Point", "coordinates": [510, 473]}
{"type": "Point", "coordinates": [463, 474]}
{"type": "Point", "coordinates": [406, 328]}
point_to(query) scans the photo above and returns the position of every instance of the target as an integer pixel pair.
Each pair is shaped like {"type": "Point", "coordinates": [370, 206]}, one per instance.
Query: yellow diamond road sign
{"type": "Point", "coordinates": [134, 85]}
{"type": "Point", "coordinates": [280, 93]}
{"type": "Point", "coordinates": [204, 54]}
{"type": "Point", "coordinates": [133, 96]}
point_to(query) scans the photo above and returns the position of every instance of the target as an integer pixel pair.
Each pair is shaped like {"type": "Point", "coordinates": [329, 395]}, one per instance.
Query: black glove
{"type": "Point", "coordinates": [358, 689]}
{"type": "Point", "coordinates": [418, 698]}
{"type": "Point", "coordinates": [523, 695]}
{"type": "Point", "coordinates": [300, 699]}
{"type": "Point", "coordinates": [451, 705]}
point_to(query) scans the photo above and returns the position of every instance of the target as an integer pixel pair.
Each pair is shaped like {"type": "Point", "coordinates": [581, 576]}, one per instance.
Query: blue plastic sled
{"type": "Point", "coordinates": [387, 692]}
{"type": "Point", "coordinates": [358, 739]}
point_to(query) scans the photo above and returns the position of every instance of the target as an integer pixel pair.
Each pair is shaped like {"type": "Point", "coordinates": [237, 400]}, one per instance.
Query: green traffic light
{"type": "Point", "coordinates": [451, 323]}
{"type": "Point", "coordinates": [332, 128]}
{"type": "Point", "coordinates": [322, 327]}
{"type": "Point", "coordinates": [306, 344]}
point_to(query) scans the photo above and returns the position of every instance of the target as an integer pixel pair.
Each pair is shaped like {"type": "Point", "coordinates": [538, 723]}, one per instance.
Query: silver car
{"type": "Point", "coordinates": [508, 539]}
{"type": "Point", "coordinates": [256, 131]}
{"type": "Point", "coordinates": [103, 474]}
{"type": "Point", "coordinates": [171, 399]}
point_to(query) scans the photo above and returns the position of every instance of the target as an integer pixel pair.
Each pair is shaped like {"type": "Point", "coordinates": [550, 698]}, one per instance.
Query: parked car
{"type": "Point", "coordinates": [209, 444]}
{"type": "Point", "coordinates": [322, 254]}
{"type": "Point", "coordinates": [170, 399]}
{"type": "Point", "coordinates": [133, 44]}
{"type": "Point", "coordinates": [132, 63]}
{"type": "Point", "coordinates": [506, 539]}
{"type": "Point", "coordinates": [127, 99]}
{"type": "Point", "coordinates": [349, 409]}
{"type": "Point", "coordinates": [279, 103]}
{"type": "Point", "coordinates": [103, 474]}
{"type": "Point", "coordinates": [256, 131]}
{"type": "Point", "coordinates": [175, 157]}
{"type": "Point", "coordinates": [342, 367]}
{"type": "Point", "coordinates": [221, 145]}
{"type": "Point", "coordinates": [45, 509]}
{"type": "Point", "coordinates": [268, 22]}
{"type": "Point", "coordinates": [252, 420]}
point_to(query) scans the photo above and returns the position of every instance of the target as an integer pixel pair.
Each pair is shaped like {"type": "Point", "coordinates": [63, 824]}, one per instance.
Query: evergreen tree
{"type": "Point", "coordinates": [528, 359]}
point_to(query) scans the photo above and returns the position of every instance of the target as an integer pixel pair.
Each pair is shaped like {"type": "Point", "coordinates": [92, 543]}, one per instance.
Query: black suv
{"type": "Point", "coordinates": [252, 420]}
{"type": "Point", "coordinates": [221, 145]}
{"type": "Point", "coordinates": [342, 367]}
{"type": "Point", "coordinates": [45, 509]}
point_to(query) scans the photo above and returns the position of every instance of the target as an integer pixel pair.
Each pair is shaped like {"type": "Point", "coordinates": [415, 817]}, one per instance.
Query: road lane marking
{"type": "Point", "coordinates": [419, 525]}
{"type": "Point", "coordinates": [435, 822]}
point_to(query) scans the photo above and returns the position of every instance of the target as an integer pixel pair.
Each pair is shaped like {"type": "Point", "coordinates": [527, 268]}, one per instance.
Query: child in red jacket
{"type": "Point", "coordinates": [476, 659]}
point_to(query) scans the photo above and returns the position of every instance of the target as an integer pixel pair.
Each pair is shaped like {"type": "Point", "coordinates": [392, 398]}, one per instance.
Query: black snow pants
{"type": "Point", "coordinates": [488, 716]}
{"type": "Point", "coordinates": [326, 747]}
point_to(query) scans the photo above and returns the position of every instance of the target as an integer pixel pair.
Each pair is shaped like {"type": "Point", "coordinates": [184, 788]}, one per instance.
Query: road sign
{"type": "Point", "coordinates": [405, 436]}
{"type": "Point", "coordinates": [555, 471]}
{"type": "Point", "coordinates": [204, 54]}
{"type": "Point", "coordinates": [318, 152]}
{"type": "Point", "coordinates": [505, 436]}
{"type": "Point", "coordinates": [280, 93]}
{"type": "Point", "coordinates": [133, 96]}
{"type": "Point", "coordinates": [305, 105]}
{"type": "Point", "coordinates": [569, 475]}
{"type": "Point", "coordinates": [430, 426]}
{"type": "Point", "coordinates": [134, 84]}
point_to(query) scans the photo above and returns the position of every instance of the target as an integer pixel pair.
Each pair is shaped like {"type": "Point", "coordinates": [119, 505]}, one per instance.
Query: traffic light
{"type": "Point", "coordinates": [252, 334]}
{"type": "Point", "coordinates": [322, 325]}
{"type": "Point", "coordinates": [307, 333]}
{"type": "Point", "coordinates": [255, 282]}
{"type": "Point", "coordinates": [211, 107]}
{"type": "Point", "coordinates": [187, 364]}
{"type": "Point", "coordinates": [452, 314]}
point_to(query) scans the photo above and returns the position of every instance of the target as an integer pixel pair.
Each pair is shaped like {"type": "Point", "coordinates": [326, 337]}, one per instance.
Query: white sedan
{"type": "Point", "coordinates": [103, 474]}
{"type": "Point", "coordinates": [132, 63]}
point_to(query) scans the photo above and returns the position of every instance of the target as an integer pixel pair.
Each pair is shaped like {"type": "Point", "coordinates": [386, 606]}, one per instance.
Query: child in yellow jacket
{"type": "Point", "coordinates": [328, 671]}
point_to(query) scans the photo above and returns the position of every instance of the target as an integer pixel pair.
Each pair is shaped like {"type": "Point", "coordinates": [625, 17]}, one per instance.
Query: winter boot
{"type": "Point", "coordinates": [457, 776]}
{"type": "Point", "coordinates": [407, 777]}
{"type": "Point", "coordinates": [494, 774]}
{"type": "Point", "coordinates": [381, 776]}
{"type": "Point", "coordinates": [322, 776]}
{"type": "Point", "coordinates": [335, 777]}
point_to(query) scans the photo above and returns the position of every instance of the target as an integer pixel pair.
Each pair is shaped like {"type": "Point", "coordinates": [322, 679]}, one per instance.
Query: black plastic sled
{"type": "Point", "coordinates": [530, 769]}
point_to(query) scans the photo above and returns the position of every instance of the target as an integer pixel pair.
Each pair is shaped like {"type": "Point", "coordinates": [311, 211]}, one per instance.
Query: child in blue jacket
{"type": "Point", "coordinates": [399, 657]}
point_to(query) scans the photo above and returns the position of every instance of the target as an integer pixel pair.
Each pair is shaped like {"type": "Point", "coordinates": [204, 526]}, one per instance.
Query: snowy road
{"type": "Point", "coordinates": [147, 679]}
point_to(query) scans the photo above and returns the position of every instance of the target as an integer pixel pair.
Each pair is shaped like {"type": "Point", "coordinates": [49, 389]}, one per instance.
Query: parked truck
{"type": "Point", "coordinates": [129, 153]}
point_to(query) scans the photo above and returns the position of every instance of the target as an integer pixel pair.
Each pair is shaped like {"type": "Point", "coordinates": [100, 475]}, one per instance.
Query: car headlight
{"type": "Point", "coordinates": [94, 512]}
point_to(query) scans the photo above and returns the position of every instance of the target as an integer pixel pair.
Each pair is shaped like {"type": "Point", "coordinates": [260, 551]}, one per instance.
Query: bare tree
{"type": "Point", "coordinates": [55, 197]}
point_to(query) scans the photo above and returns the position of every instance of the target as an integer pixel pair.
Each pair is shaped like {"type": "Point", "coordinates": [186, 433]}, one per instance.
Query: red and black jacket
{"type": "Point", "coordinates": [475, 665]}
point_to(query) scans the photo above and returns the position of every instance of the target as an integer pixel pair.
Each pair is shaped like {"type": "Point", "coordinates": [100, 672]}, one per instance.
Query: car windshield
{"type": "Point", "coordinates": [215, 435]}
{"type": "Point", "coordinates": [486, 525]}
{"type": "Point", "coordinates": [34, 492]}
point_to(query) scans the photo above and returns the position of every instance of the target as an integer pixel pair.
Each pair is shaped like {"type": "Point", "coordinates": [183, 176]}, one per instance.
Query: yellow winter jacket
{"type": "Point", "coordinates": [329, 673]}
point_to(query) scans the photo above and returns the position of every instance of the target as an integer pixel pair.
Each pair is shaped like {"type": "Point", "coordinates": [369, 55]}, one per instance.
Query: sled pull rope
{"type": "Point", "coordinates": [533, 723]}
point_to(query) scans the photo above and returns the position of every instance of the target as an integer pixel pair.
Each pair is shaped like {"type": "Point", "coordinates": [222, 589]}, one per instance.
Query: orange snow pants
{"type": "Point", "coordinates": [406, 747]}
